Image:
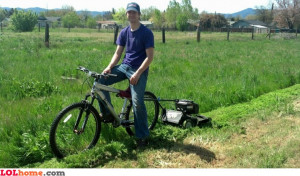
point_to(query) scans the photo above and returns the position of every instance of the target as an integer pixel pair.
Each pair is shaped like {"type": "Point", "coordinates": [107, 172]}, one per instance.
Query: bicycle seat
{"type": "Point", "coordinates": [125, 93]}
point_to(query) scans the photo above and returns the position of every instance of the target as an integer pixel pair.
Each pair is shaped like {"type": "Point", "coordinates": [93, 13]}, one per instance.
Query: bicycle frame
{"type": "Point", "coordinates": [98, 88]}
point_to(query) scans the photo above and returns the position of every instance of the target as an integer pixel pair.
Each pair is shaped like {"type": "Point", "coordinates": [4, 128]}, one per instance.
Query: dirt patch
{"type": "Point", "coordinates": [270, 142]}
{"type": "Point", "coordinates": [182, 155]}
{"type": "Point", "coordinates": [296, 105]}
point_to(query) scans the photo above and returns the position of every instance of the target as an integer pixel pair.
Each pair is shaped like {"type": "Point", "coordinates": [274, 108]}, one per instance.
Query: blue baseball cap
{"type": "Point", "coordinates": [133, 6]}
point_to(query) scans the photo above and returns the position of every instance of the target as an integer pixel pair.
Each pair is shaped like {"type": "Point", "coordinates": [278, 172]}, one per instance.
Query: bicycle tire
{"type": "Point", "coordinates": [64, 140]}
{"type": "Point", "coordinates": [152, 108]}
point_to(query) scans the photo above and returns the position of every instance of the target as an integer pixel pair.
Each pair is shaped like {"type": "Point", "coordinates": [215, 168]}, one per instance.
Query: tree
{"type": "Point", "coordinates": [91, 22]}
{"type": "Point", "coordinates": [218, 21]}
{"type": "Point", "coordinates": [23, 21]}
{"type": "Point", "coordinates": [171, 13]}
{"type": "Point", "coordinates": [177, 15]}
{"type": "Point", "coordinates": [113, 11]}
{"type": "Point", "coordinates": [264, 14]}
{"type": "Point", "coordinates": [287, 13]}
{"type": "Point", "coordinates": [157, 19]}
{"type": "Point", "coordinates": [2, 15]}
{"type": "Point", "coordinates": [10, 12]}
{"type": "Point", "coordinates": [59, 12]}
{"type": "Point", "coordinates": [120, 16]}
{"type": "Point", "coordinates": [66, 9]}
{"type": "Point", "coordinates": [188, 10]}
{"type": "Point", "coordinates": [181, 22]}
{"type": "Point", "coordinates": [98, 17]}
{"type": "Point", "coordinates": [108, 15]}
{"type": "Point", "coordinates": [84, 16]}
{"type": "Point", "coordinates": [148, 13]}
{"type": "Point", "coordinates": [212, 20]}
{"type": "Point", "coordinates": [205, 20]}
{"type": "Point", "coordinates": [71, 20]}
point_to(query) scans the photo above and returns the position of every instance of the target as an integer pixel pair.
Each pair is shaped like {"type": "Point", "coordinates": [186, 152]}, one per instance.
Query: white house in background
{"type": "Point", "coordinates": [107, 24]}
{"type": "Point", "coordinates": [259, 26]}
{"type": "Point", "coordinates": [148, 24]}
{"type": "Point", "coordinates": [5, 22]}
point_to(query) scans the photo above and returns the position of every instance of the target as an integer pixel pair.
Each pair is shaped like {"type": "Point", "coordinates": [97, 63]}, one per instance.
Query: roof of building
{"type": "Point", "coordinates": [253, 22]}
{"type": "Point", "coordinates": [106, 22]}
{"type": "Point", "coordinates": [259, 26]}
{"type": "Point", "coordinates": [146, 22]}
{"type": "Point", "coordinates": [42, 18]}
{"type": "Point", "coordinates": [53, 18]}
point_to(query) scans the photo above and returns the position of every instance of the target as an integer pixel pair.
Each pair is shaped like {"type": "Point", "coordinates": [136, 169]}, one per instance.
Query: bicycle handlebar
{"type": "Point", "coordinates": [95, 74]}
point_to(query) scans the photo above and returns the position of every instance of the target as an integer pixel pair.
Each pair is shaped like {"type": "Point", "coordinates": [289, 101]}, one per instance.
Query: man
{"type": "Point", "coordinates": [138, 41]}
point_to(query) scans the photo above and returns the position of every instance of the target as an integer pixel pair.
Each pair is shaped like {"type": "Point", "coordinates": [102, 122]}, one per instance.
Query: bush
{"type": "Point", "coordinates": [24, 21]}
{"type": "Point", "coordinates": [91, 23]}
{"type": "Point", "coordinates": [181, 22]}
{"type": "Point", "coordinates": [33, 88]}
{"type": "Point", "coordinates": [71, 20]}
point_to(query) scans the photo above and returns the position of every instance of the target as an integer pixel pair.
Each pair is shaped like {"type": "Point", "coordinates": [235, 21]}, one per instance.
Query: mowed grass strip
{"type": "Point", "coordinates": [266, 137]}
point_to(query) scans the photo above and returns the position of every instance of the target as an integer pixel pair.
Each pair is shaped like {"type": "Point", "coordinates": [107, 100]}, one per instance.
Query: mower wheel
{"type": "Point", "coordinates": [188, 123]}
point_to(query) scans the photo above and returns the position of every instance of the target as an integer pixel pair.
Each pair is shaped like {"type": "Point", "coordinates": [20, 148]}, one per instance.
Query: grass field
{"type": "Point", "coordinates": [215, 73]}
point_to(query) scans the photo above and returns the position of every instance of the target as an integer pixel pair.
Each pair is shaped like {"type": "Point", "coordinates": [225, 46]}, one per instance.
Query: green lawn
{"type": "Point", "coordinates": [215, 73]}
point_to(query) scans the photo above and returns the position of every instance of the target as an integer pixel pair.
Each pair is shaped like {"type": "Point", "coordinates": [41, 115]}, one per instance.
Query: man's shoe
{"type": "Point", "coordinates": [142, 143]}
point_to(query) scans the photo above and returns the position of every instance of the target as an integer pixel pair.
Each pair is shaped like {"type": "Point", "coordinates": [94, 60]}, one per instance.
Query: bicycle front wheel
{"type": "Point", "coordinates": [75, 129]}
{"type": "Point", "coordinates": [152, 108]}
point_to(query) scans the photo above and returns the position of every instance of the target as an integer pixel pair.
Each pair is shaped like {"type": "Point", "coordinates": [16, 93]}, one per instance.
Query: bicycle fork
{"type": "Point", "coordinates": [84, 109]}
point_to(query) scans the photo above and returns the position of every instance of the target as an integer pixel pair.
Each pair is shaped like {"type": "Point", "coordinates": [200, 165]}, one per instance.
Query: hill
{"type": "Point", "coordinates": [244, 13]}
{"type": "Point", "coordinates": [39, 10]}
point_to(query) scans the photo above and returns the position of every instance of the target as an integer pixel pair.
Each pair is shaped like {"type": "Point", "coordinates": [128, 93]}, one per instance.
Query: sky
{"type": "Point", "coordinates": [211, 6]}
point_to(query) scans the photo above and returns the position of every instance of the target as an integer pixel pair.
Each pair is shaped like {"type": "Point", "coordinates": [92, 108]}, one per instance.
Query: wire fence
{"type": "Point", "coordinates": [167, 35]}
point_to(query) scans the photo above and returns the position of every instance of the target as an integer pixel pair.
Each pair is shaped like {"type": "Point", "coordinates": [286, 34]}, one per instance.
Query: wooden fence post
{"type": "Point", "coordinates": [270, 34]}
{"type": "Point", "coordinates": [227, 33]}
{"type": "Point", "coordinates": [39, 27]}
{"type": "Point", "coordinates": [163, 35]}
{"type": "Point", "coordinates": [47, 36]}
{"type": "Point", "coordinates": [116, 33]}
{"type": "Point", "coordinates": [198, 33]}
{"type": "Point", "coordinates": [252, 33]}
{"type": "Point", "coordinates": [99, 25]}
{"type": "Point", "coordinates": [296, 32]}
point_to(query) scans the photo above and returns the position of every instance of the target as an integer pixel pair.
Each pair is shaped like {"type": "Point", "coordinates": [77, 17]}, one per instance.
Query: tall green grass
{"type": "Point", "coordinates": [214, 73]}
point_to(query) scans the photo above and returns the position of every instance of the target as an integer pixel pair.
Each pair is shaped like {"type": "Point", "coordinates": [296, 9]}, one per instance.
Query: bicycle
{"type": "Point", "coordinates": [78, 126]}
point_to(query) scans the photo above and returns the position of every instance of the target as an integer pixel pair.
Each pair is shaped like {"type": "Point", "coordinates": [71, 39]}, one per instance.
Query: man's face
{"type": "Point", "coordinates": [133, 16]}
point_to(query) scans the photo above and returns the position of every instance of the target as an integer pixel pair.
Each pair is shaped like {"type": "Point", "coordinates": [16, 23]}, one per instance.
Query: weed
{"type": "Point", "coordinates": [32, 88]}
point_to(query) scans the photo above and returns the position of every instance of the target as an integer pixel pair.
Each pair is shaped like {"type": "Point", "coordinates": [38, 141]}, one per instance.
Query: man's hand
{"type": "Point", "coordinates": [134, 78]}
{"type": "Point", "coordinates": [107, 70]}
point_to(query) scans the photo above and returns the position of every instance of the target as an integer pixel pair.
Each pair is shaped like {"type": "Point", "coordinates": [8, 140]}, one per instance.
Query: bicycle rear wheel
{"type": "Point", "coordinates": [75, 129]}
{"type": "Point", "coordinates": [152, 108]}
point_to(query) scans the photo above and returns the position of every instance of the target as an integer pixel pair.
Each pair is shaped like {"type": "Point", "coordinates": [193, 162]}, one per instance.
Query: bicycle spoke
{"type": "Point", "coordinates": [68, 133]}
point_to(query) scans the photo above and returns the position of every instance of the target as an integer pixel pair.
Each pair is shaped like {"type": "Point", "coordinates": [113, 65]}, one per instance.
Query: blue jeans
{"type": "Point", "coordinates": [137, 92]}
